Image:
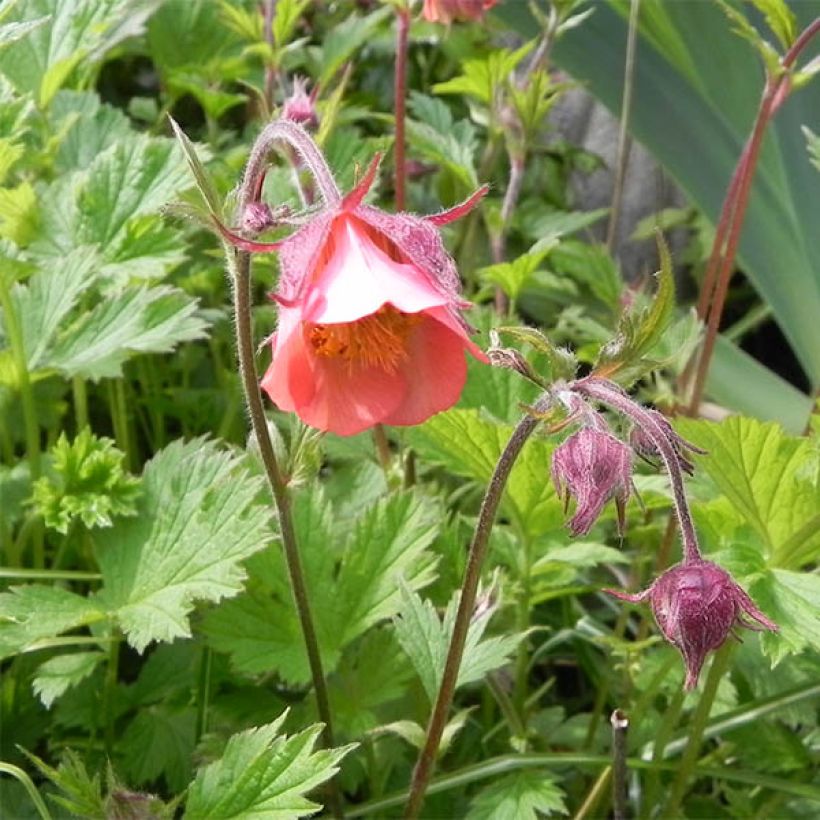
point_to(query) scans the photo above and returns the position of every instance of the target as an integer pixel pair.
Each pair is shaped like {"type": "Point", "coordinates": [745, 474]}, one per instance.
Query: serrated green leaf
{"type": "Point", "coordinates": [11, 32]}
{"type": "Point", "coordinates": [29, 614]}
{"type": "Point", "coordinates": [197, 519]}
{"type": "Point", "coordinates": [469, 443]}
{"type": "Point", "coordinates": [780, 19]}
{"type": "Point", "coordinates": [425, 639]}
{"type": "Point", "coordinates": [48, 297]}
{"type": "Point", "coordinates": [18, 213]}
{"type": "Point", "coordinates": [525, 795]}
{"type": "Point", "coordinates": [639, 330]}
{"type": "Point", "coordinates": [355, 574]}
{"type": "Point", "coordinates": [513, 276]}
{"type": "Point", "coordinates": [345, 38]}
{"type": "Point", "coordinates": [85, 481]}
{"type": "Point", "coordinates": [159, 742]}
{"type": "Point", "coordinates": [263, 774]}
{"type": "Point", "coordinates": [770, 478]}
{"type": "Point", "coordinates": [81, 793]}
{"type": "Point", "coordinates": [813, 145]}
{"type": "Point", "coordinates": [203, 181]}
{"type": "Point", "coordinates": [137, 320]}
{"type": "Point", "coordinates": [562, 362]}
{"type": "Point", "coordinates": [57, 675]}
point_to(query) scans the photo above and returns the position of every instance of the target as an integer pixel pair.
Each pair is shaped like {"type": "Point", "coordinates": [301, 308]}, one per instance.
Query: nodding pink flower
{"type": "Point", "coordinates": [300, 106]}
{"type": "Point", "coordinates": [370, 328]}
{"type": "Point", "coordinates": [592, 466]}
{"type": "Point", "coordinates": [447, 11]}
{"type": "Point", "coordinates": [697, 605]}
{"type": "Point", "coordinates": [643, 445]}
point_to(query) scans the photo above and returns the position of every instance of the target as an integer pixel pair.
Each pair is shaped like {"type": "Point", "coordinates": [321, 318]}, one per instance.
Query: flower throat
{"type": "Point", "coordinates": [377, 340]}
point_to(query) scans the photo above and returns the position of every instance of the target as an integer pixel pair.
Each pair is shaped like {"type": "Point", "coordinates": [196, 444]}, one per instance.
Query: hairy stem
{"type": "Point", "coordinates": [615, 398]}
{"type": "Point", "coordinates": [620, 727]}
{"type": "Point", "coordinates": [400, 88]}
{"type": "Point", "coordinates": [472, 574]}
{"type": "Point", "coordinates": [239, 264]}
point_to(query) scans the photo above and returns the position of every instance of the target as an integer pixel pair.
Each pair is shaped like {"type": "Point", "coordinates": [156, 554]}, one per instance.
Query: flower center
{"type": "Point", "coordinates": [377, 340]}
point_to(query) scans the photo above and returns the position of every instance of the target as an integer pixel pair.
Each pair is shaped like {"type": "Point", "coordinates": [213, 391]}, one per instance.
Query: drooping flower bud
{"type": "Point", "coordinates": [696, 605]}
{"type": "Point", "coordinates": [300, 106]}
{"type": "Point", "coordinates": [643, 445]}
{"type": "Point", "coordinates": [592, 466]}
{"type": "Point", "coordinates": [446, 11]}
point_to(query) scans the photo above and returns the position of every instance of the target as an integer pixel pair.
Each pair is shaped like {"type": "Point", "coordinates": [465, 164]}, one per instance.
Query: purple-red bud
{"type": "Point", "coordinates": [300, 106]}
{"type": "Point", "coordinates": [645, 447]}
{"type": "Point", "coordinates": [592, 466]}
{"type": "Point", "coordinates": [696, 606]}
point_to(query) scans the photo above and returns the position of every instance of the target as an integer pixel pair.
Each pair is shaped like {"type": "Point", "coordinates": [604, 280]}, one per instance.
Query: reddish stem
{"type": "Point", "coordinates": [402, 32]}
{"type": "Point", "coordinates": [721, 262]}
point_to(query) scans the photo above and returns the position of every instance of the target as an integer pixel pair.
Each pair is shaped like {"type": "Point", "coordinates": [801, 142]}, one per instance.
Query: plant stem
{"type": "Point", "coordinates": [400, 101]}
{"type": "Point", "coordinates": [382, 447]}
{"type": "Point", "coordinates": [18, 774]}
{"type": "Point", "coordinates": [109, 692]}
{"type": "Point", "coordinates": [620, 727]}
{"type": "Point", "coordinates": [239, 263]}
{"type": "Point", "coordinates": [624, 141]}
{"type": "Point", "coordinates": [612, 396]}
{"type": "Point", "coordinates": [80, 397]}
{"type": "Point", "coordinates": [594, 796]}
{"type": "Point", "coordinates": [472, 574]}
{"type": "Point", "coordinates": [498, 243]}
{"type": "Point", "coordinates": [727, 237]}
{"type": "Point", "coordinates": [203, 693]}
{"type": "Point", "coordinates": [689, 760]}
{"type": "Point", "coordinates": [18, 351]}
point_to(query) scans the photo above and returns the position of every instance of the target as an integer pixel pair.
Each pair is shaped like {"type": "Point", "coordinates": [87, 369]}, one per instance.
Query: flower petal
{"type": "Point", "coordinates": [359, 278]}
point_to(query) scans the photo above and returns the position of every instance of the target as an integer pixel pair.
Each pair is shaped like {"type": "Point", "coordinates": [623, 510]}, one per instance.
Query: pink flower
{"type": "Point", "coordinates": [446, 11]}
{"type": "Point", "coordinates": [370, 330]}
{"type": "Point", "coordinates": [592, 466]}
{"type": "Point", "coordinates": [300, 106]}
{"type": "Point", "coordinates": [696, 605]}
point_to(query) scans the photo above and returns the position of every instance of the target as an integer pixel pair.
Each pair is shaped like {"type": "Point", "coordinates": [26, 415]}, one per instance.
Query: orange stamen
{"type": "Point", "coordinates": [378, 340]}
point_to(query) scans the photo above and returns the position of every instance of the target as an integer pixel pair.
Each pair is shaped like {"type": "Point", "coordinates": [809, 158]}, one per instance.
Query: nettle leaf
{"type": "Point", "coordinates": [85, 481]}
{"type": "Point", "coordinates": [438, 138]}
{"type": "Point", "coordinates": [197, 519]}
{"type": "Point", "coordinates": [639, 329]}
{"type": "Point", "coordinates": [263, 774]}
{"type": "Point", "coordinates": [354, 573]}
{"type": "Point", "coordinates": [524, 795]}
{"type": "Point", "coordinates": [159, 741]}
{"type": "Point", "coordinates": [114, 202]}
{"type": "Point", "coordinates": [425, 639]}
{"type": "Point", "coordinates": [90, 127]}
{"type": "Point", "coordinates": [137, 320]}
{"type": "Point", "coordinates": [74, 34]}
{"type": "Point", "coordinates": [57, 675]}
{"type": "Point", "coordinates": [469, 443]}
{"type": "Point", "coordinates": [32, 613]}
{"type": "Point", "coordinates": [770, 478]}
{"type": "Point", "coordinates": [48, 297]}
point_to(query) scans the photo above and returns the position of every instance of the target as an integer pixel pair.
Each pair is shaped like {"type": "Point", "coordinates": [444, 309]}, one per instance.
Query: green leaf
{"type": "Point", "coordinates": [355, 574]}
{"type": "Point", "coordinates": [513, 276]}
{"type": "Point", "coordinates": [345, 38]}
{"type": "Point", "coordinates": [770, 478]}
{"type": "Point", "coordinates": [18, 213]}
{"type": "Point", "coordinates": [640, 329]}
{"type": "Point", "coordinates": [85, 481]}
{"type": "Point", "coordinates": [203, 181]}
{"type": "Point", "coordinates": [11, 32]}
{"type": "Point", "coordinates": [525, 795]}
{"type": "Point", "coordinates": [780, 19]}
{"type": "Point", "coordinates": [57, 675]}
{"type": "Point", "coordinates": [197, 519]}
{"type": "Point", "coordinates": [159, 741]}
{"type": "Point", "coordinates": [425, 639]}
{"type": "Point", "coordinates": [469, 443]}
{"type": "Point", "coordinates": [48, 297]}
{"type": "Point", "coordinates": [263, 774]}
{"type": "Point", "coordinates": [137, 320]}
{"type": "Point", "coordinates": [81, 793]}
{"type": "Point", "coordinates": [29, 614]}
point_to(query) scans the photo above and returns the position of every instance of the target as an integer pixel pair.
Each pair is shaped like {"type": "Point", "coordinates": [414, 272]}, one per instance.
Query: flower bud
{"type": "Point", "coordinates": [447, 11]}
{"type": "Point", "coordinates": [696, 605]}
{"type": "Point", "coordinates": [300, 106]}
{"type": "Point", "coordinates": [592, 466]}
{"type": "Point", "coordinates": [643, 445]}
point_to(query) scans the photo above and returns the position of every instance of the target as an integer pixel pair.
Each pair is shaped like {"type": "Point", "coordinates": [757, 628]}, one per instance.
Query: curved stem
{"type": "Point", "coordinates": [472, 574]}
{"type": "Point", "coordinates": [619, 401]}
{"type": "Point", "coordinates": [400, 87]}
{"type": "Point", "coordinates": [239, 264]}
{"type": "Point", "coordinates": [21, 777]}
{"type": "Point", "coordinates": [301, 142]}
{"type": "Point", "coordinates": [689, 760]}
